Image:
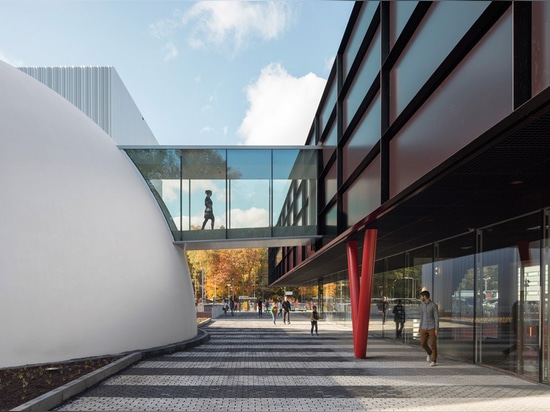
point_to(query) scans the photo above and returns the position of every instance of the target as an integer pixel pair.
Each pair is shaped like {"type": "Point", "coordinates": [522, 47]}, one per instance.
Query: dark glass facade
{"type": "Point", "coordinates": [435, 130]}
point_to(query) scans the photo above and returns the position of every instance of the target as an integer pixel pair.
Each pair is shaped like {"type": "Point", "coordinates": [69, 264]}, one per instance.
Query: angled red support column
{"type": "Point", "coordinates": [361, 290]}
{"type": "Point", "coordinates": [353, 274]}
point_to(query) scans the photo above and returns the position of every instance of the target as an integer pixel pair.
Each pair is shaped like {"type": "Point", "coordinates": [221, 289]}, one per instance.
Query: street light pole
{"type": "Point", "coordinates": [202, 288]}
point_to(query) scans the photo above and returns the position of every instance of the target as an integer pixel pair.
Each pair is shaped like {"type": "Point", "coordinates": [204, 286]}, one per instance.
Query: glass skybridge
{"type": "Point", "coordinates": [260, 196]}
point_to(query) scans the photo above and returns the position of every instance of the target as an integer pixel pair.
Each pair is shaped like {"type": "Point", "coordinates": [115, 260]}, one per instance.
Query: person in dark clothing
{"type": "Point", "coordinates": [208, 210]}
{"type": "Point", "coordinates": [314, 318]}
{"type": "Point", "coordinates": [399, 318]}
{"type": "Point", "coordinates": [260, 304]}
{"type": "Point", "coordinates": [286, 311]}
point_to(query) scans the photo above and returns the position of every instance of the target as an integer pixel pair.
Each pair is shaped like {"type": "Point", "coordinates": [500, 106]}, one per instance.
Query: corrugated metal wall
{"type": "Point", "coordinates": [100, 94]}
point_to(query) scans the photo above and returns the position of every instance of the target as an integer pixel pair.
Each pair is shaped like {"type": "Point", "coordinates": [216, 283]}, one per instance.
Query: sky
{"type": "Point", "coordinates": [201, 73]}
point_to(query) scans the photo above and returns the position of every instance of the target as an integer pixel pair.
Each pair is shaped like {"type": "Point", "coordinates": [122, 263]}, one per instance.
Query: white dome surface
{"type": "Point", "coordinates": [87, 263]}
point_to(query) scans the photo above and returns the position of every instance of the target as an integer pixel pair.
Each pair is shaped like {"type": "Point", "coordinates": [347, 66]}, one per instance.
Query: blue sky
{"type": "Point", "coordinates": [201, 73]}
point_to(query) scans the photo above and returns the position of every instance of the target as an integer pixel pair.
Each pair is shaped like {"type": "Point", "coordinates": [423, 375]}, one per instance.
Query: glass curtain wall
{"type": "Point", "coordinates": [491, 288]}
{"type": "Point", "coordinates": [336, 304]}
{"type": "Point", "coordinates": [510, 314]}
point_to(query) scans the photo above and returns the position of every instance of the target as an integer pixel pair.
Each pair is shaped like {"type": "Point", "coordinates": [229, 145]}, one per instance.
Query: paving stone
{"type": "Point", "coordinates": [251, 365]}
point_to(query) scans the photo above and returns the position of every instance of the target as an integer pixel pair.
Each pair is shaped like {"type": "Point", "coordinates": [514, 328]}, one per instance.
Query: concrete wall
{"type": "Point", "coordinates": [87, 264]}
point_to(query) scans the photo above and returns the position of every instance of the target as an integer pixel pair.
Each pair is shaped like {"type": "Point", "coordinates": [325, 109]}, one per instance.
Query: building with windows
{"type": "Point", "coordinates": [434, 130]}
{"type": "Point", "coordinates": [428, 166]}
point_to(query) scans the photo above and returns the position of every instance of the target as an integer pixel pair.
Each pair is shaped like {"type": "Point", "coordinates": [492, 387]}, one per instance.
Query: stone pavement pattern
{"type": "Point", "coordinates": [250, 364]}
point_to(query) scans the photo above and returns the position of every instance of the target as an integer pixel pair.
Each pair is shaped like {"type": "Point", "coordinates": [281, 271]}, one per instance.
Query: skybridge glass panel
{"type": "Point", "coordinates": [205, 172]}
{"type": "Point", "coordinates": [224, 193]}
{"type": "Point", "coordinates": [161, 171]}
{"type": "Point", "coordinates": [249, 189]}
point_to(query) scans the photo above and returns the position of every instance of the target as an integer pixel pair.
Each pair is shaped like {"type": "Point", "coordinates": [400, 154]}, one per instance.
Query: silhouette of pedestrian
{"type": "Point", "coordinates": [286, 311]}
{"type": "Point", "coordinates": [208, 210]}
{"type": "Point", "coordinates": [399, 318]}
{"type": "Point", "coordinates": [314, 318]}
{"type": "Point", "coordinates": [260, 303]}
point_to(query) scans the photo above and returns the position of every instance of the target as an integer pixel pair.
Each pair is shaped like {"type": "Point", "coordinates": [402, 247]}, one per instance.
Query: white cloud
{"type": "Point", "coordinates": [228, 25]}
{"type": "Point", "coordinates": [253, 217]}
{"type": "Point", "coordinates": [166, 27]}
{"type": "Point", "coordinates": [232, 24]}
{"type": "Point", "coordinates": [282, 107]}
{"type": "Point", "coordinates": [170, 190]}
{"type": "Point", "coordinates": [171, 51]}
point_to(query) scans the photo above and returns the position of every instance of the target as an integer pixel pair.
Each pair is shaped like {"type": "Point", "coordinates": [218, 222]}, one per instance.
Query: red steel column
{"type": "Point", "coordinates": [365, 294]}
{"type": "Point", "coordinates": [353, 273]}
{"type": "Point", "coordinates": [361, 290]}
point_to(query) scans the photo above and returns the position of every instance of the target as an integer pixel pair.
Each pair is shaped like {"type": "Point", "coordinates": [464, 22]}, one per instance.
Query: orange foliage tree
{"type": "Point", "coordinates": [244, 270]}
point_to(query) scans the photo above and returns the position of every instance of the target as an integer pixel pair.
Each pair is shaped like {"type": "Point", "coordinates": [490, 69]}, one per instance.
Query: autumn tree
{"type": "Point", "coordinates": [245, 270]}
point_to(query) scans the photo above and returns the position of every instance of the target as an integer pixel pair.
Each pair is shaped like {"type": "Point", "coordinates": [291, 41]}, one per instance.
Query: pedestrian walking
{"type": "Point", "coordinates": [399, 318]}
{"type": "Point", "coordinates": [280, 309]}
{"type": "Point", "coordinates": [286, 311]}
{"type": "Point", "coordinates": [429, 327]}
{"type": "Point", "coordinates": [274, 312]}
{"type": "Point", "coordinates": [383, 308]}
{"type": "Point", "coordinates": [260, 303]}
{"type": "Point", "coordinates": [314, 318]}
{"type": "Point", "coordinates": [232, 307]}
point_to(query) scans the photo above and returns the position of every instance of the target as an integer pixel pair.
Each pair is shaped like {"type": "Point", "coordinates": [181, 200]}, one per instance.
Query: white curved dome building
{"type": "Point", "coordinates": [87, 263]}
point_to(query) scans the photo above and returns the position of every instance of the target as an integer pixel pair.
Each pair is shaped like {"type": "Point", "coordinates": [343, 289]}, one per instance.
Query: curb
{"type": "Point", "coordinates": [59, 395]}
{"type": "Point", "coordinates": [62, 394]}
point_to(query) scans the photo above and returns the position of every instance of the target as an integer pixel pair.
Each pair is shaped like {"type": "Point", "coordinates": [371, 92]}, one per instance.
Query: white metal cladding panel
{"type": "Point", "coordinates": [127, 123]}
{"type": "Point", "coordinates": [85, 87]}
{"type": "Point", "coordinates": [100, 94]}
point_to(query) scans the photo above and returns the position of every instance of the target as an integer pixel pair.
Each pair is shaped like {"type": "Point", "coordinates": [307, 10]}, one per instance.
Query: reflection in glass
{"type": "Point", "coordinates": [232, 192]}
{"type": "Point", "coordinates": [249, 197]}
{"type": "Point", "coordinates": [249, 203]}
{"type": "Point", "coordinates": [161, 171]}
{"type": "Point", "coordinates": [511, 300]}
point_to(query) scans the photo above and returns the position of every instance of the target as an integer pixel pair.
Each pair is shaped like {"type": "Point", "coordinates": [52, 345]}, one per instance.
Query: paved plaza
{"type": "Point", "coordinates": [250, 364]}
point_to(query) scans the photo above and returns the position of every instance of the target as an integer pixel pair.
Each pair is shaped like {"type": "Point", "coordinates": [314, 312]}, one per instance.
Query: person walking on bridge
{"type": "Point", "coordinates": [208, 210]}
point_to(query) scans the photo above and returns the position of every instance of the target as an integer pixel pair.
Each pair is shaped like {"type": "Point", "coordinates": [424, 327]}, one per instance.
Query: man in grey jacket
{"type": "Point", "coordinates": [429, 327]}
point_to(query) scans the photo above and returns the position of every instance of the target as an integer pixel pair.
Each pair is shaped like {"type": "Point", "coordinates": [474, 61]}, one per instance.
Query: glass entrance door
{"type": "Point", "coordinates": [509, 281]}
